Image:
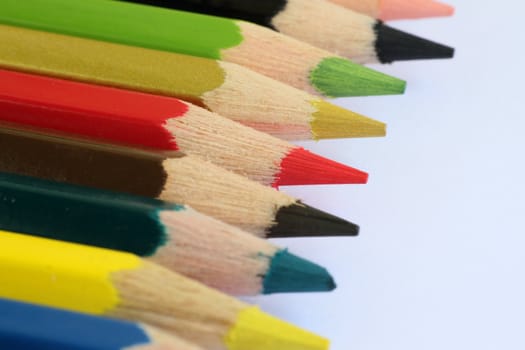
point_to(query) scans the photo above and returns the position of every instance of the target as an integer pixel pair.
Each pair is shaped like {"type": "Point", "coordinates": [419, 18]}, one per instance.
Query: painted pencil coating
{"type": "Point", "coordinates": [208, 188]}
{"type": "Point", "coordinates": [171, 235]}
{"type": "Point", "coordinates": [143, 173]}
{"type": "Point", "coordinates": [21, 260]}
{"type": "Point", "coordinates": [87, 110]}
{"type": "Point", "coordinates": [28, 326]}
{"type": "Point", "coordinates": [165, 30]}
{"type": "Point", "coordinates": [235, 92]}
{"type": "Point", "coordinates": [328, 26]}
{"type": "Point", "coordinates": [109, 64]}
{"type": "Point", "coordinates": [108, 219]}
{"type": "Point", "coordinates": [100, 281]}
{"type": "Point", "coordinates": [260, 12]}
{"type": "Point", "coordinates": [168, 30]}
{"type": "Point", "coordinates": [194, 131]}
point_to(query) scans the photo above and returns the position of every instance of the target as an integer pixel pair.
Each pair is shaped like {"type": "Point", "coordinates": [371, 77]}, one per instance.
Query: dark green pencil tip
{"type": "Point", "coordinates": [290, 273]}
{"type": "Point", "coordinates": [300, 220]}
{"type": "Point", "coordinates": [338, 77]}
{"type": "Point", "coordinates": [396, 45]}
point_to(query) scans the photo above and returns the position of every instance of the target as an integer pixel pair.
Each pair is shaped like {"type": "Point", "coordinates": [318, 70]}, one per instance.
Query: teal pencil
{"type": "Point", "coordinates": [171, 235]}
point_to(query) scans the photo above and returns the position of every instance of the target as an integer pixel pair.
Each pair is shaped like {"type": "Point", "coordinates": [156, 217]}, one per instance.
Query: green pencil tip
{"type": "Point", "coordinates": [338, 77]}
{"type": "Point", "coordinates": [290, 273]}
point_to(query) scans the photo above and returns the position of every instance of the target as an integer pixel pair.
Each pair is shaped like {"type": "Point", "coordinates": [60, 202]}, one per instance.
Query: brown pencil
{"type": "Point", "coordinates": [123, 117]}
{"type": "Point", "coordinates": [207, 188]}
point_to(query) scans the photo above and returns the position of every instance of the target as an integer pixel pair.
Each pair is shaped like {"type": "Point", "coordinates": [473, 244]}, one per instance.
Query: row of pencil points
{"type": "Point", "coordinates": [81, 155]}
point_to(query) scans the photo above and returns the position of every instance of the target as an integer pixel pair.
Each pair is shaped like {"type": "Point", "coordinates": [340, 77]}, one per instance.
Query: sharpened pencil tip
{"type": "Point", "coordinates": [300, 220]}
{"type": "Point", "coordinates": [256, 330]}
{"type": "Point", "coordinates": [289, 273]}
{"type": "Point", "coordinates": [338, 77]}
{"type": "Point", "coordinates": [331, 121]}
{"type": "Point", "coordinates": [301, 167]}
{"type": "Point", "coordinates": [396, 45]}
{"type": "Point", "coordinates": [395, 9]}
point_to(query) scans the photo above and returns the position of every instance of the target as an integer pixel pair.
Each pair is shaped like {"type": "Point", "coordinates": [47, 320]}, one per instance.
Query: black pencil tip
{"type": "Point", "coordinates": [396, 45]}
{"type": "Point", "coordinates": [300, 220]}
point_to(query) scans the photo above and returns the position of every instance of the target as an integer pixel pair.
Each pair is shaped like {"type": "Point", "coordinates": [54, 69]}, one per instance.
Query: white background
{"type": "Point", "coordinates": [440, 259]}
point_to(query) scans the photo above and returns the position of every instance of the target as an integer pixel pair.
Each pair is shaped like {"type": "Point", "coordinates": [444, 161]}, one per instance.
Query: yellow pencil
{"type": "Point", "coordinates": [116, 284]}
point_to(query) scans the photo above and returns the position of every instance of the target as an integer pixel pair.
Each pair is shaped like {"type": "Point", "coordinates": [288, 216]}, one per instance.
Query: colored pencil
{"type": "Point", "coordinates": [258, 48]}
{"type": "Point", "coordinates": [110, 283]}
{"type": "Point", "coordinates": [205, 187]}
{"type": "Point", "coordinates": [321, 23]}
{"type": "Point", "coordinates": [174, 236]}
{"type": "Point", "coordinates": [26, 326]}
{"type": "Point", "coordinates": [117, 116]}
{"type": "Point", "coordinates": [287, 116]}
{"type": "Point", "coordinates": [398, 9]}
{"type": "Point", "coordinates": [262, 105]}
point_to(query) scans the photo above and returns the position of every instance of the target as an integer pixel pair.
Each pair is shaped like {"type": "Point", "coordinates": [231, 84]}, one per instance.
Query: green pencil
{"type": "Point", "coordinates": [261, 49]}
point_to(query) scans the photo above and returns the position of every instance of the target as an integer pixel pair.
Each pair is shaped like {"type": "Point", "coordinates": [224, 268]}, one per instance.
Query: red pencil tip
{"type": "Point", "coordinates": [301, 167]}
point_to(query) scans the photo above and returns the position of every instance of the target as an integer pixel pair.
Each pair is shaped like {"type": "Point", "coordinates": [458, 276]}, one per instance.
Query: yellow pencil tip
{"type": "Point", "coordinates": [331, 121]}
{"type": "Point", "coordinates": [256, 330]}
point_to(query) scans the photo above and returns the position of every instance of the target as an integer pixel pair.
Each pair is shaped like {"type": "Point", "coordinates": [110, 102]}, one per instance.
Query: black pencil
{"type": "Point", "coordinates": [210, 189]}
{"type": "Point", "coordinates": [172, 235]}
{"type": "Point", "coordinates": [321, 23]}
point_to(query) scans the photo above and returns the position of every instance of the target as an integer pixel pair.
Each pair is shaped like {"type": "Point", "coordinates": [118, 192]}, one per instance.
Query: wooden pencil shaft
{"type": "Point", "coordinates": [90, 112]}
{"type": "Point", "coordinates": [257, 48]}
{"type": "Point", "coordinates": [104, 282]}
{"type": "Point", "coordinates": [267, 105]}
{"type": "Point", "coordinates": [141, 120]}
{"type": "Point", "coordinates": [28, 326]}
{"type": "Point", "coordinates": [99, 282]}
{"type": "Point", "coordinates": [326, 25]}
{"type": "Point", "coordinates": [172, 31]}
{"type": "Point", "coordinates": [174, 236]}
{"type": "Point", "coordinates": [207, 188]}
{"type": "Point", "coordinates": [318, 22]}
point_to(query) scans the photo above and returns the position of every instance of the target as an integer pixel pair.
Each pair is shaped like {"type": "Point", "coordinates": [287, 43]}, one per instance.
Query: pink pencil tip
{"type": "Point", "coordinates": [413, 9]}
{"type": "Point", "coordinates": [445, 9]}
{"type": "Point", "coordinates": [301, 167]}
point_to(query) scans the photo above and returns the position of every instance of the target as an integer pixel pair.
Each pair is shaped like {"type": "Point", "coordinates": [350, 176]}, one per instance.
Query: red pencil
{"type": "Point", "coordinates": [163, 123]}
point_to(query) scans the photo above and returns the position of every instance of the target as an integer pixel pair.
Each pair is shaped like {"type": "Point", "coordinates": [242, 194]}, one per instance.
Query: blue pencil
{"type": "Point", "coordinates": [28, 327]}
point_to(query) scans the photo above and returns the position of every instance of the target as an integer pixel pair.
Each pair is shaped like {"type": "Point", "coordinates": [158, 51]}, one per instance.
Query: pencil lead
{"type": "Point", "coordinates": [301, 167]}
{"type": "Point", "coordinates": [395, 9]}
{"type": "Point", "coordinates": [300, 220]}
{"type": "Point", "coordinates": [331, 121]}
{"type": "Point", "coordinates": [337, 77]}
{"type": "Point", "coordinates": [290, 273]}
{"type": "Point", "coordinates": [395, 45]}
{"type": "Point", "coordinates": [256, 330]}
